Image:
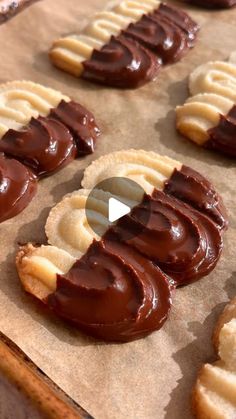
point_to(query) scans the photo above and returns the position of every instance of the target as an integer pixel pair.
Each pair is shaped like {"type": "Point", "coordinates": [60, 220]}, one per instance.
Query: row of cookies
{"type": "Point", "coordinates": [62, 129]}
{"type": "Point", "coordinates": [52, 273]}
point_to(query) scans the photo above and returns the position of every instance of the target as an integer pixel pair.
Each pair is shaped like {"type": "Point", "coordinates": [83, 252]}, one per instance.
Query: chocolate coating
{"type": "Point", "coordinates": [213, 4]}
{"type": "Point", "coordinates": [120, 290]}
{"type": "Point", "coordinates": [184, 243]}
{"type": "Point", "coordinates": [113, 293]}
{"type": "Point", "coordinates": [17, 187]}
{"type": "Point", "coordinates": [45, 145]}
{"type": "Point", "coordinates": [181, 19]}
{"type": "Point", "coordinates": [158, 34]}
{"type": "Point", "coordinates": [194, 189]}
{"type": "Point", "coordinates": [81, 124]}
{"type": "Point", "coordinates": [223, 137]}
{"type": "Point", "coordinates": [135, 56]}
{"type": "Point", "coordinates": [123, 63]}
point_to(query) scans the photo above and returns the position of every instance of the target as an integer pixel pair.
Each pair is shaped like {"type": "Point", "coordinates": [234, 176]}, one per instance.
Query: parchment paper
{"type": "Point", "coordinates": [153, 377]}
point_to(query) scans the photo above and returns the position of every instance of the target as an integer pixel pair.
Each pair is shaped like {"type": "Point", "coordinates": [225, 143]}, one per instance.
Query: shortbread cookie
{"type": "Point", "coordinates": [42, 129]}
{"type": "Point", "coordinates": [68, 226]}
{"type": "Point", "coordinates": [213, 4]}
{"type": "Point", "coordinates": [113, 292]}
{"type": "Point", "coordinates": [125, 46]}
{"type": "Point", "coordinates": [209, 117]}
{"type": "Point", "coordinates": [17, 187]}
{"type": "Point", "coordinates": [9, 8]}
{"type": "Point", "coordinates": [39, 267]}
{"type": "Point", "coordinates": [24, 102]}
{"type": "Point", "coordinates": [118, 287]}
{"type": "Point", "coordinates": [228, 314]}
{"type": "Point", "coordinates": [151, 172]}
{"type": "Point", "coordinates": [214, 395]}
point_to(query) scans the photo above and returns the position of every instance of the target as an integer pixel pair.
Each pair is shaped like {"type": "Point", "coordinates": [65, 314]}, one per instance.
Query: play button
{"type": "Point", "coordinates": [117, 210]}
{"type": "Point", "coordinates": [113, 201]}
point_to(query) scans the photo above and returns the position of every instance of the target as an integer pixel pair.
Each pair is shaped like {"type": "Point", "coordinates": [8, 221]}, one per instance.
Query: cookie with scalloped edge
{"type": "Point", "coordinates": [125, 45]}
{"type": "Point", "coordinates": [131, 266]}
{"type": "Point", "coordinates": [208, 117]}
{"type": "Point", "coordinates": [41, 130]}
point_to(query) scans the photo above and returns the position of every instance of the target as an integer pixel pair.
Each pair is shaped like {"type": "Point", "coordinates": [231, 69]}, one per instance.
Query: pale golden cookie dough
{"type": "Point", "coordinates": [213, 89]}
{"type": "Point", "coordinates": [22, 100]}
{"type": "Point", "coordinates": [214, 395]}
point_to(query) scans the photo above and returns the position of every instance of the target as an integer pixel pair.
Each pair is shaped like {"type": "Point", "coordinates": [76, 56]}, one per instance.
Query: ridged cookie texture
{"type": "Point", "coordinates": [22, 100]}
{"type": "Point", "coordinates": [214, 395]}
{"type": "Point", "coordinates": [125, 45]}
{"type": "Point", "coordinates": [72, 224]}
{"type": "Point", "coordinates": [208, 117]}
{"type": "Point", "coordinates": [130, 266]}
{"type": "Point", "coordinates": [152, 171]}
{"type": "Point", "coordinates": [43, 130]}
{"type": "Point", "coordinates": [148, 169]}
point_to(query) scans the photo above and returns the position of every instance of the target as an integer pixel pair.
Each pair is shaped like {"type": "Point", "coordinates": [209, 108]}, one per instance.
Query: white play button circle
{"type": "Point", "coordinates": [120, 196]}
{"type": "Point", "coordinates": [117, 210]}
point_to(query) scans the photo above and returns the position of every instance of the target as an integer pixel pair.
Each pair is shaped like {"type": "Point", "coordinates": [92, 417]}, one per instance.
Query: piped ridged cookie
{"type": "Point", "coordinates": [214, 395]}
{"type": "Point", "coordinates": [208, 117]}
{"type": "Point", "coordinates": [152, 171]}
{"type": "Point", "coordinates": [127, 268]}
{"type": "Point", "coordinates": [43, 130]}
{"type": "Point", "coordinates": [148, 169]}
{"type": "Point", "coordinates": [72, 224]}
{"type": "Point", "coordinates": [22, 100]}
{"type": "Point", "coordinates": [125, 45]}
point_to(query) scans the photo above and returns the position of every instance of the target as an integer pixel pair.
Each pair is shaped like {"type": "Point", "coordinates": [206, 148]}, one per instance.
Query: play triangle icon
{"type": "Point", "coordinates": [117, 210]}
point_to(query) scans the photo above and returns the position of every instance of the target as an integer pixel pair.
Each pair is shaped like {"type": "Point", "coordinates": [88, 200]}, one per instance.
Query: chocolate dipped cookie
{"type": "Point", "coordinates": [41, 131]}
{"type": "Point", "coordinates": [213, 4]}
{"type": "Point", "coordinates": [115, 281]}
{"type": "Point", "coordinates": [126, 46]}
{"type": "Point", "coordinates": [208, 117]}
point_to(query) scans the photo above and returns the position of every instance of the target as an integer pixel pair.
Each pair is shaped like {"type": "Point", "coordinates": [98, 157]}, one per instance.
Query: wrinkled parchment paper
{"type": "Point", "coordinates": [151, 378]}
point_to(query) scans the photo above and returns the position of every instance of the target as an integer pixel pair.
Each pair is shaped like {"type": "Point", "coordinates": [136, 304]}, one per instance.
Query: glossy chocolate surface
{"type": "Point", "coordinates": [123, 63]}
{"type": "Point", "coordinates": [120, 289]}
{"type": "Point", "coordinates": [17, 187]}
{"type": "Point", "coordinates": [134, 57]}
{"type": "Point", "coordinates": [223, 137]}
{"type": "Point", "coordinates": [159, 35]}
{"type": "Point", "coordinates": [181, 19]}
{"type": "Point", "coordinates": [81, 124]}
{"type": "Point", "coordinates": [183, 242]}
{"type": "Point", "coordinates": [194, 189]}
{"type": "Point", "coordinates": [213, 4]}
{"type": "Point", "coordinates": [45, 145]}
{"type": "Point", "coordinates": [113, 292]}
